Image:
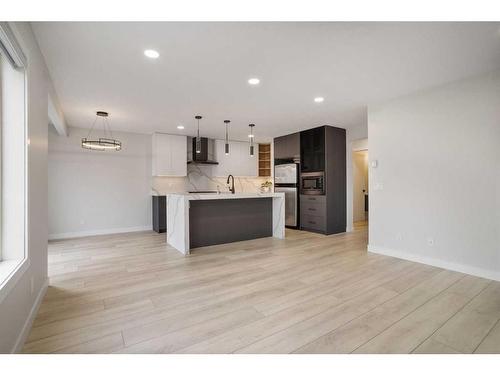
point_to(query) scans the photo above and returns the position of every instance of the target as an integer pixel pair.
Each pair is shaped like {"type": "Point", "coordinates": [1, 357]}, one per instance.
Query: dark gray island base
{"type": "Point", "coordinates": [159, 213]}
{"type": "Point", "coordinates": [213, 222]}
{"type": "Point", "coordinates": [197, 220]}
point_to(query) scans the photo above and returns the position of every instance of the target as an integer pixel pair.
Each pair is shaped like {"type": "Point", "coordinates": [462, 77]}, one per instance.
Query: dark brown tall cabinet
{"type": "Point", "coordinates": [312, 150]}
{"type": "Point", "coordinates": [287, 147]}
{"type": "Point", "coordinates": [323, 149]}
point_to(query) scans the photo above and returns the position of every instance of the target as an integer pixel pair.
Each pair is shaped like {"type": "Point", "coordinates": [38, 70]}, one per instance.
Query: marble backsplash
{"type": "Point", "coordinates": [200, 178]}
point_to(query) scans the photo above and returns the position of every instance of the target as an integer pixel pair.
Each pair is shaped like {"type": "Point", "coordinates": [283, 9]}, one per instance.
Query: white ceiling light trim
{"type": "Point", "coordinates": [151, 53]}
{"type": "Point", "coordinates": [253, 81]}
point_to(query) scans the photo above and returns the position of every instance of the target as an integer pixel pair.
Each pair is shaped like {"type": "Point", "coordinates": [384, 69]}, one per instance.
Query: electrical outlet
{"type": "Point", "coordinates": [399, 236]}
{"type": "Point", "coordinates": [430, 241]}
{"type": "Point", "coordinates": [32, 285]}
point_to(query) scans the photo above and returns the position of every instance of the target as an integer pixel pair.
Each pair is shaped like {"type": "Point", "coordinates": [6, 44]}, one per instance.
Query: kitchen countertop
{"type": "Point", "coordinates": [178, 211]}
{"type": "Point", "coordinates": [201, 196]}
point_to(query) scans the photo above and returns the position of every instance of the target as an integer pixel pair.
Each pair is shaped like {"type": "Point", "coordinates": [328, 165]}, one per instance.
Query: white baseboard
{"type": "Point", "coordinates": [61, 236]}
{"type": "Point", "coordinates": [18, 347]}
{"type": "Point", "coordinates": [470, 270]}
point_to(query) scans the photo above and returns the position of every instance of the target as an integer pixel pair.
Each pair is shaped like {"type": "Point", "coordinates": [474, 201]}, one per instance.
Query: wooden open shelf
{"type": "Point", "coordinates": [264, 160]}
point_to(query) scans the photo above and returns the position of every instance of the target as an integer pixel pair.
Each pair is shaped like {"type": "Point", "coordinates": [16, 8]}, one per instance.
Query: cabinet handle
{"type": "Point", "coordinates": [312, 199]}
{"type": "Point", "coordinates": [312, 222]}
{"type": "Point", "coordinates": [311, 209]}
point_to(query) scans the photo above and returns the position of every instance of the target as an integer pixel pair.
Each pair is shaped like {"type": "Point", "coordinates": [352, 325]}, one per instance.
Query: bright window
{"type": "Point", "coordinates": [12, 164]}
{"type": "Point", "coordinates": [12, 153]}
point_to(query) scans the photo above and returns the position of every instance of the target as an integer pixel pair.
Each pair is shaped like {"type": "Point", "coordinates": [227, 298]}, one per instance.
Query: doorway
{"type": "Point", "coordinates": [360, 186]}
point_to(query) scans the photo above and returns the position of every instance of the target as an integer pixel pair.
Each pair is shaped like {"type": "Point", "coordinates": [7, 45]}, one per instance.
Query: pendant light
{"type": "Point", "coordinates": [251, 136]}
{"type": "Point", "coordinates": [226, 146]}
{"type": "Point", "coordinates": [198, 138]}
{"type": "Point", "coordinates": [107, 142]}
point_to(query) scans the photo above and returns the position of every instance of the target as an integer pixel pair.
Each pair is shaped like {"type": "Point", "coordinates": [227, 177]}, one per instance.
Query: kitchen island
{"type": "Point", "coordinates": [197, 220]}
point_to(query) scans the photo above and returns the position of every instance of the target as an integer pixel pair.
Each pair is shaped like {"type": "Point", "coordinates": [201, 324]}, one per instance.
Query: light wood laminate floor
{"type": "Point", "coordinates": [309, 293]}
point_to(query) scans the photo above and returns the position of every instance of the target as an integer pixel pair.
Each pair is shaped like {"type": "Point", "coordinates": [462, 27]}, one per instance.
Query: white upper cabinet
{"type": "Point", "coordinates": [239, 163]}
{"type": "Point", "coordinates": [169, 155]}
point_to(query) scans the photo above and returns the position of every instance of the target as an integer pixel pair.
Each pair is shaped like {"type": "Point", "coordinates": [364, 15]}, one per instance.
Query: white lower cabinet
{"type": "Point", "coordinates": [239, 163]}
{"type": "Point", "coordinates": [169, 155]}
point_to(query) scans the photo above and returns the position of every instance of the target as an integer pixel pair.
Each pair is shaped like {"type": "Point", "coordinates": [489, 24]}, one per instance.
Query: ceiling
{"type": "Point", "coordinates": [203, 69]}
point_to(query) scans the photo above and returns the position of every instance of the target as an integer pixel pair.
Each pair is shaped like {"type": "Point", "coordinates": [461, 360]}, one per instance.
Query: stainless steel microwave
{"type": "Point", "coordinates": [312, 183]}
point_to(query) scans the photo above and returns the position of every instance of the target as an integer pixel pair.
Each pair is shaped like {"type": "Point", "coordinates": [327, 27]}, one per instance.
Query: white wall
{"type": "Point", "coordinates": [438, 176]}
{"type": "Point", "coordinates": [19, 306]}
{"type": "Point", "coordinates": [94, 192]}
{"type": "Point", "coordinates": [56, 117]}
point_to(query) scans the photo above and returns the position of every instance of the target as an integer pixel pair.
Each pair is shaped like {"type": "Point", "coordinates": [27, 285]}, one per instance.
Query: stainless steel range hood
{"type": "Point", "coordinates": [207, 154]}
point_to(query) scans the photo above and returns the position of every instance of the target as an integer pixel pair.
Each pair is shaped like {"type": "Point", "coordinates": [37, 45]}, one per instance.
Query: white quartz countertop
{"type": "Point", "coordinates": [179, 207]}
{"type": "Point", "coordinates": [201, 196]}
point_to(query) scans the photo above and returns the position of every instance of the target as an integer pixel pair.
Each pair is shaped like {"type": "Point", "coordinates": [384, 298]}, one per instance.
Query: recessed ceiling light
{"type": "Point", "coordinates": [250, 136]}
{"type": "Point", "coordinates": [254, 81]}
{"type": "Point", "coordinates": [151, 53]}
{"type": "Point", "coordinates": [180, 127]}
{"type": "Point", "coordinates": [319, 99]}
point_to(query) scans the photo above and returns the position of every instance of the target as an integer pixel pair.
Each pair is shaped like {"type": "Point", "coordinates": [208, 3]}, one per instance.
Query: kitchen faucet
{"type": "Point", "coordinates": [231, 188]}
